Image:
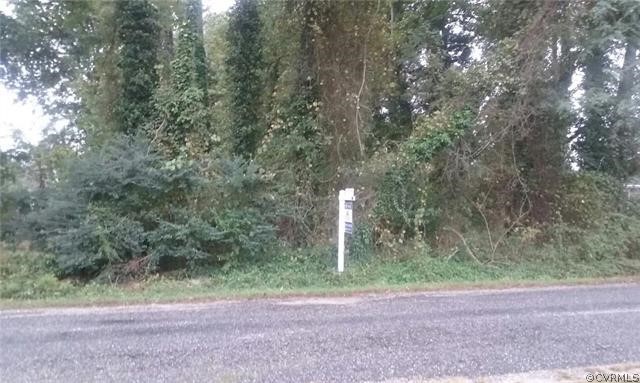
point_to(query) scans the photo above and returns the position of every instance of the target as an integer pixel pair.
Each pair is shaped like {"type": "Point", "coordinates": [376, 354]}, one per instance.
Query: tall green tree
{"type": "Point", "coordinates": [167, 11]}
{"type": "Point", "coordinates": [184, 103]}
{"type": "Point", "coordinates": [524, 119]}
{"type": "Point", "coordinates": [194, 25]}
{"type": "Point", "coordinates": [392, 116]}
{"type": "Point", "coordinates": [627, 112]}
{"type": "Point", "coordinates": [244, 71]}
{"type": "Point", "coordinates": [607, 135]}
{"type": "Point", "coordinates": [139, 42]}
{"type": "Point", "coordinates": [46, 48]}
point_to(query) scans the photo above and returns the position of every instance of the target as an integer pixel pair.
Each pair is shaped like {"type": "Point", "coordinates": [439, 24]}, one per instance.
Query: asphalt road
{"type": "Point", "coordinates": [367, 338]}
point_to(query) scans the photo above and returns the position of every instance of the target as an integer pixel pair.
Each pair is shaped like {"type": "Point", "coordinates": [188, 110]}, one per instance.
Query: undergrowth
{"type": "Point", "coordinates": [29, 276]}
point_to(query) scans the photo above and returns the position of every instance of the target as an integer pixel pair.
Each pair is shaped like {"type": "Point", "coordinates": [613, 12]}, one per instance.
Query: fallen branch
{"type": "Point", "coordinates": [464, 242]}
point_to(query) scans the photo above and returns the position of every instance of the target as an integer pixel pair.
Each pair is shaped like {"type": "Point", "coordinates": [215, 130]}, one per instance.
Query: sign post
{"type": "Point", "coordinates": [346, 198]}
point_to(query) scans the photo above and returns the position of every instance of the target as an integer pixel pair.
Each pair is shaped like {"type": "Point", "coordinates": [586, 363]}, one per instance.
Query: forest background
{"type": "Point", "coordinates": [486, 140]}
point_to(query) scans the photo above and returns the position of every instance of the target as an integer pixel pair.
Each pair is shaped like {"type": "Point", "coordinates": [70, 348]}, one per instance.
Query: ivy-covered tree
{"type": "Point", "coordinates": [244, 71]}
{"type": "Point", "coordinates": [184, 103]}
{"type": "Point", "coordinates": [139, 41]}
{"type": "Point", "coordinates": [194, 23]}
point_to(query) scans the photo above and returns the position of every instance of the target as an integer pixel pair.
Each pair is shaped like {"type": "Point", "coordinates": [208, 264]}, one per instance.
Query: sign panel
{"type": "Point", "coordinates": [345, 222]}
{"type": "Point", "coordinates": [348, 216]}
{"type": "Point", "coordinates": [348, 227]}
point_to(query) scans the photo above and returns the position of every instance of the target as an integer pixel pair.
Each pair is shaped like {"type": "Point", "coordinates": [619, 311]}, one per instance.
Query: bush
{"type": "Point", "coordinates": [397, 200]}
{"type": "Point", "coordinates": [407, 203]}
{"type": "Point", "coordinates": [362, 243]}
{"type": "Point", "coordinates": [126, 210]}
{"type": "Point", "coordinates": [245, 233]}
{"type": "Point", "coordinates": [30, 275]}
{"type": "Point", "coordinates": [613, 236]}
{"type": "Point", "coordinates": [587, 197]}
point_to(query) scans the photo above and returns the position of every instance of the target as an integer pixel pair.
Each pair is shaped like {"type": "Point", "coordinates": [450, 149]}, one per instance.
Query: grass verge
{"type": "Point", "coordinates": [26, 280]}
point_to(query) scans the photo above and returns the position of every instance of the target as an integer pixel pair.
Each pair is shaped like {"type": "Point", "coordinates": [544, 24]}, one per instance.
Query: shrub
{"type": "Point", "coordinates": [29, 275]}
{"type": "Point", "coordinates": [397, 200]}
{"type": "Point", "coordinates": [126, 210]}
{"type": "Point", "coordinates": [245, 233]}
{"type": "Point", "coordinates": [407, 203]}
{"type": "Point", "coordinates": [613, 236]}
{"type": "Point", "coordinates": [587, 197]}
{"type": "Point", "coordinates": [362, 243]}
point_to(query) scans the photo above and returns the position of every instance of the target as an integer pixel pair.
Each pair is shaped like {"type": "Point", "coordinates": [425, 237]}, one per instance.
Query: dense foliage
{"type": "Point", "coordinates": [488, 130]}
{"type": "Point", "coordinates": [244, 64]}
{"type": "Point", "coordinates": [138, 34]}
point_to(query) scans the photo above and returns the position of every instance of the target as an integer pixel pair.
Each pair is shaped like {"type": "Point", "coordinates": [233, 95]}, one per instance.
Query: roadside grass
{"type": "Point", "coordinates": [27, 279]}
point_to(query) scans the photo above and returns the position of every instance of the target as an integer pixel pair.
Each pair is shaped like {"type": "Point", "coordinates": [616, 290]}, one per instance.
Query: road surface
{"type": "Point", "coordinates": [353, 339]}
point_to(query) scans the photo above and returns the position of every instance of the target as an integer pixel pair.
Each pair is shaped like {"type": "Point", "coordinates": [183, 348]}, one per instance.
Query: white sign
{"type": "Point", "coordinates": [345, 221]}
{"type": "Point", "coordinates": [348, 216]}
